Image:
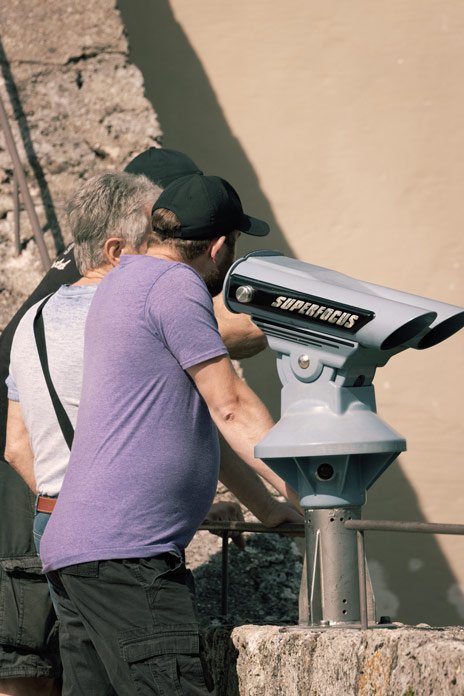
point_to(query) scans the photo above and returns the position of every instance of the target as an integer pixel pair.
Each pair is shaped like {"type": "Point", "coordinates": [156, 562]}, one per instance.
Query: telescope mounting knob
{"type": "Point", "coordinates": [244, 294]}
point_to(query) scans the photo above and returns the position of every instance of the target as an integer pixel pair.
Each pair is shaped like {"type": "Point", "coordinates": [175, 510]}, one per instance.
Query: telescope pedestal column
{"type": "Point", "coordinates": [332, 569]}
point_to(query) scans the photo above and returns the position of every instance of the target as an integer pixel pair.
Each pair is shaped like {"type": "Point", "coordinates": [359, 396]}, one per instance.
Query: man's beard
{"type": "Point", "coordinates": [215, 278]}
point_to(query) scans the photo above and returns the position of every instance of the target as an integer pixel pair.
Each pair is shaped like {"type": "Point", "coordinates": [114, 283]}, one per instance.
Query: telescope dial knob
{"type": "Point", "coordinates": [244, 294]}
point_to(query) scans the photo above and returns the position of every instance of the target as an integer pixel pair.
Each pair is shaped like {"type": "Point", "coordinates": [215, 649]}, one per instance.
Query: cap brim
{"type": "Point", "coordinates": [254, 226]}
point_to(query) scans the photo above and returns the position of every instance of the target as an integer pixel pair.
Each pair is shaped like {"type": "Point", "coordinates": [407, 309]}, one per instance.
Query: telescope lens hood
{"type": "Point", "coordinates": [408, 331]}
{"type": "Point", "coordinates": [441, 331]}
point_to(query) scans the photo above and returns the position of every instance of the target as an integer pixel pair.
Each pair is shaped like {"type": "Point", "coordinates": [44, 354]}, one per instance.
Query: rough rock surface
{"type": "Point", "coordinates": [264, 582]}
{"type": "Point", "coordinates": [271, 661]}
{"type": "Point", "coordinates": [76, 106]}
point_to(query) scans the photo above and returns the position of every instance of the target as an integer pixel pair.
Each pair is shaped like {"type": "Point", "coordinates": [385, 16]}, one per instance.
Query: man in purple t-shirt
{"type": "Point", "coordinates": [144, 464]}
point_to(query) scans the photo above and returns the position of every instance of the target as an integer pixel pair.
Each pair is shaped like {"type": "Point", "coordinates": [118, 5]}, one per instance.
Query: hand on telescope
{"type": "Point", "coordinates": [241, 337]}
{"type": "Point", "coordinates": [227, 511]}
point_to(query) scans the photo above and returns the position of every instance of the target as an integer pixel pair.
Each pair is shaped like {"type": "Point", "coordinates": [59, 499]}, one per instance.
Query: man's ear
{"type": "Point", "coordinates": [215, 247]}
{"type": "Point", "coordinates": [112, 249]}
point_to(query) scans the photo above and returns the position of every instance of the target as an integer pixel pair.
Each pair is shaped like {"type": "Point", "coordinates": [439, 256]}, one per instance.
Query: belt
{"type": "Point", "coordinates": [45, 504]}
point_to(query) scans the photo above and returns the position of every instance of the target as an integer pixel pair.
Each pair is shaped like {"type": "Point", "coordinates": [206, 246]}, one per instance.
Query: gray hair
{"type": "Point", "coordinates": [115, 204]}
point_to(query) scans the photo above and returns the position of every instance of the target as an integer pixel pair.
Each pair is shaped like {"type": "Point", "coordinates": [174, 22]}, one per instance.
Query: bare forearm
{"type": "Point", "coordinates": [26, 471]}
{"type": "Point", "coordinates": [248, 424]}
{"type": "Point", "coordinates": [244, 483]}
{"type": "Point", "coordinates": [23, 464]}
{"type": "Point", "coordinates": [18, 452]}
{"type": "Point", "coordinates": [239, 414]}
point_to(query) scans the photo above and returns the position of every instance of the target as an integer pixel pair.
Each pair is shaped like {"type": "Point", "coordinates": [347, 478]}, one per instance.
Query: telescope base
{"type": "Point", "coordinates": [332, 568]}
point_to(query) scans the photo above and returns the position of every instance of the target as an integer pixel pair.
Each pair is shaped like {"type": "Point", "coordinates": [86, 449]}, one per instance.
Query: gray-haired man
{"type": "Point", "coordinates": [98, 249]}
{"type": "Point", "coordinates": [35, 445]}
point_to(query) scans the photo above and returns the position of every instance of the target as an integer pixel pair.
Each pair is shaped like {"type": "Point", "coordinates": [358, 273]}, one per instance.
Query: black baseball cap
{"type": "Point", "coordinates": [207, 207]}
{"type": "Point", "coordinates": [162, 166]}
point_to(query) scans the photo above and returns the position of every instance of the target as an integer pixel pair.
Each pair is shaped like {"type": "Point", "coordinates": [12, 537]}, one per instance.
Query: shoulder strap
{"type": "Point", "coordinates": [39, 333]}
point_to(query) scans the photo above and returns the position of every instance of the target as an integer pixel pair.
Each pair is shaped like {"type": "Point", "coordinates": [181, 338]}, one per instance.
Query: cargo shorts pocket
{"type": "Point", "coordinates": [167, 661]}
{"type": "Point", "coordinates": [27, 617]}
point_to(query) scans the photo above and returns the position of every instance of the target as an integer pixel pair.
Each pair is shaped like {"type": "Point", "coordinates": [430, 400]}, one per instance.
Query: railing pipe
{"type": "Point", "coordinates": [295, 529]}
{"type": "Point", "coordinates": [396, 526]}
{"type": "Point", "coordinates": [291, 529]}
{"type": "Point", "coordinates": [22, 182]}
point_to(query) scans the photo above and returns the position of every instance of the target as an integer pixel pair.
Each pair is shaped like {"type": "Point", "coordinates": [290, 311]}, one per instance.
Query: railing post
{"type": "Point", "coordinates": [362, 580]}
{"type": "Point", "coordinates": [23, 187]}
{"type": "Point", "coordinates": [17, 223]}
{"type": "Point", "coordinates": [225, 574]}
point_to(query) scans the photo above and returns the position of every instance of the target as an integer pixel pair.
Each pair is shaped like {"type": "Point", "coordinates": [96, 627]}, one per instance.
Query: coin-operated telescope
{"type": "Point", "coordinates": [330, 333]}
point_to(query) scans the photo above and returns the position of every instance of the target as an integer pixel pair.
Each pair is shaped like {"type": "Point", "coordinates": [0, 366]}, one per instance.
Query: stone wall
{"type": "Point", "coordinates": [76, 107]}
{"type": "Point", "coordinates": [270, 661]}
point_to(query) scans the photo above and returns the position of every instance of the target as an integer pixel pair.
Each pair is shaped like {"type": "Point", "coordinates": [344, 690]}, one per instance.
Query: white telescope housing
{"type": "Point", "coordinates": [330, 333]}
{"type": "Point", "coordinates": [299, 294]}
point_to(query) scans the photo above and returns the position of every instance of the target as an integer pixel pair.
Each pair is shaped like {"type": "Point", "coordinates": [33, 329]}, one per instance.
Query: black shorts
{"type": "Point", "coordinates": [130, 626]}
{"type": "Point", "coordinates": [28, 625]}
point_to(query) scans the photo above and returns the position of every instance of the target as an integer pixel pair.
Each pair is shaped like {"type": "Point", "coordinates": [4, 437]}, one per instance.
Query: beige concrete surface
{"type": "Point", "coordinates": [343, 125]}
{"type": "Point", "coordinates": [267, 661]}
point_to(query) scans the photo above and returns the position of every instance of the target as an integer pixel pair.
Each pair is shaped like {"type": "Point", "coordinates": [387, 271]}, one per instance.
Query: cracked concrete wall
{"type": "Point", "coordinates": [76, 107]}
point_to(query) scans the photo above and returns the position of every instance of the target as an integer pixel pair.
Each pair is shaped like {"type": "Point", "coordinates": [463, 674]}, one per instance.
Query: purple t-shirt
{"type": "Point", "coordinates": [145, 458]}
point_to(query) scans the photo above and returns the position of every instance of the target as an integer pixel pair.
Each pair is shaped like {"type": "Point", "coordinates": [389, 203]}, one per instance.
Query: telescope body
{"type": "Point", "coordinates": [330, 333]}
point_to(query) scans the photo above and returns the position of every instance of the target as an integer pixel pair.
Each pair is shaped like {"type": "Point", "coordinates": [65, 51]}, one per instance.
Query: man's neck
{"type": "Point", "coordinates": [165, 253]}
{"type": "Point", "coordinates": [93, 276]}
{"type": "Point", "coordinates": [171, 254]}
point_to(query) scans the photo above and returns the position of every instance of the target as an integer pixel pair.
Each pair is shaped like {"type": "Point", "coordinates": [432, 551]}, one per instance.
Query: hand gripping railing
{"type": "Point", "coordinates": [20, 186]}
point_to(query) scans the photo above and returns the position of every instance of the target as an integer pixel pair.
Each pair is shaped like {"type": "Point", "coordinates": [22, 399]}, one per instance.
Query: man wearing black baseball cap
{"type": "Point", "coordinates": [194, 211]}
{"type": "Point", "coordinates": [207, 207]}
{"type": "Point", "coordinates": [163, 166]}
{"type": "Point", "coordinates": [157, 377]}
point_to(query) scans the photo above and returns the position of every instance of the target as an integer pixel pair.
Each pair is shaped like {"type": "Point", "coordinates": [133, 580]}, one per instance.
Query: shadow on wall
{"type": "Point", "coordinates": [412, 580]}
{"type": "Point", "coordinates": [192, 121]}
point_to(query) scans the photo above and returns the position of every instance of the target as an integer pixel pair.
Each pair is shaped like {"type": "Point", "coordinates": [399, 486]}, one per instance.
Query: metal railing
{"type": "Point", "coordinates": [225, 529]}
{"type": "Point", "coordinates": [20, 186]}
{"type": "Point", "coordinates": [361, 526]}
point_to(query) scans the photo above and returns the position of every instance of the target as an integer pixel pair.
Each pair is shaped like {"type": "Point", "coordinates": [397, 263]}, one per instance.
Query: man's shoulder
{"type": "Point", "coordinates": [153, 273]}
{"type": "Point", "coordinates": [27, 319]}
{"type": "Point", "coordinates": [56, 303]}
{"type": "Point", "coordinates": [155, 264]}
